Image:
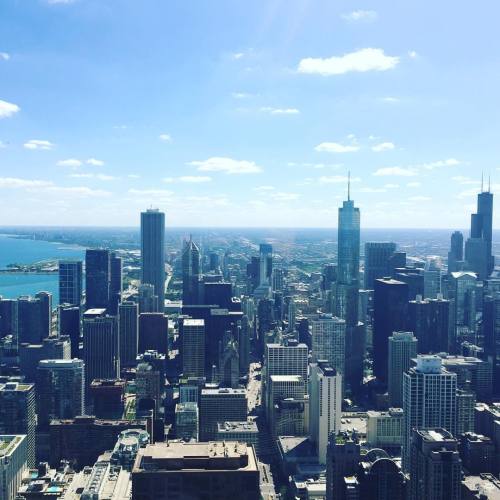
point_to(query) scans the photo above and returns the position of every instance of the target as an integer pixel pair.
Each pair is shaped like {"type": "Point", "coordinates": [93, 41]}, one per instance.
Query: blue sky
{"type": "Point", "coordinates": [247, 113]}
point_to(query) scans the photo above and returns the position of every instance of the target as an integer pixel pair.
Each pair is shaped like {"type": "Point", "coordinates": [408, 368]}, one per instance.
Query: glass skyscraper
{"type": "Point", "coordinates": [153, 251]}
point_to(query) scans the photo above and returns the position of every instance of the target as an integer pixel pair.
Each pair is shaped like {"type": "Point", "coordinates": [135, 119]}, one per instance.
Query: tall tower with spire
{"type": "Point", "coordinates": [478, 248]}
{"type": "Point", "coordinates": [190, 272]}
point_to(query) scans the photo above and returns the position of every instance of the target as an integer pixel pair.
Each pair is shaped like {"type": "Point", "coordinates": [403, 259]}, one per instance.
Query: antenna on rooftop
{"type": "Point", "coordinates": [349, 185]}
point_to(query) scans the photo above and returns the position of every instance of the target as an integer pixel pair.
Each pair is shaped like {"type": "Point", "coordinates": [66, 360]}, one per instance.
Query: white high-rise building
{"type": "Point", "coordinates": [429, 399]}
{"type": "Point", "coordinates": [325, 406]}
{"type": "Point", "coordinates": [328, 341]}
{"type": "Point", "coordinates": [403, 347]}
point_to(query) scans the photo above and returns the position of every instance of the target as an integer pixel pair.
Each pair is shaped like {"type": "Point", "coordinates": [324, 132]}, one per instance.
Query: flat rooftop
{"type": "Point", "coordinates": [193, 322]}
{"type": "Point", "coordinates": [8, 443]}
{"type": "Point", "coordinates": [248, 426]}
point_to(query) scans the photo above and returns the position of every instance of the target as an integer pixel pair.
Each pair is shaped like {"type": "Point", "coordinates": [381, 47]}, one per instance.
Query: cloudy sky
{"type": "Point", "coordinates": [247, 113]}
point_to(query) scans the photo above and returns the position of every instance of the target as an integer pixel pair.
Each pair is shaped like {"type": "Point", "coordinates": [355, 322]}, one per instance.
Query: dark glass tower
{"type": "Point", "coordinates": [97, 278]}
{"type": "Point", "coordinates": [377, 258]}
{"type": "Point", "coordinates": [478, 251]}
{"type": "Point", "coordinates": [70, 282]}
{"type": "Point", "coordinates": [390, 306]}
{"type": "Point", "coordinates": [190, 272]}
{"type": "Point", "coordinates": [456, 253]}
{"type": "Point", "coordinates": [153, 251]}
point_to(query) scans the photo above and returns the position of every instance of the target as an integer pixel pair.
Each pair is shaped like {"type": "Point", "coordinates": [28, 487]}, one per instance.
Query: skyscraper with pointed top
{"type": "Point", "coordinates": [478, 248]}
{"type": "Point", "coordinates": [190, 272]}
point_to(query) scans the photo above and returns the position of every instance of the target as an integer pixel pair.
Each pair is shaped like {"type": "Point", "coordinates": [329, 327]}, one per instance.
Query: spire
{"type": "Point", "coordinates": [349, 186]}
{"type": "Point", "coordinates": [482, 182]}
{"type": "Point", "coordinates": [489, 183]}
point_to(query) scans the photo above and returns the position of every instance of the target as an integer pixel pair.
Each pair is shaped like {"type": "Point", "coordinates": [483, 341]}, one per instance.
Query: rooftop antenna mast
{"type": "Point", "coordinates": [349, 185]}
{"type": "Point", "coordinates": [489, 183]}
{"type": "Point", "coordinates": [482, 182]}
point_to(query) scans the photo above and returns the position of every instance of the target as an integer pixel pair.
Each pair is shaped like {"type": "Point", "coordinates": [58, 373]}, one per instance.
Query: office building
{"type": "Point", "coordinates": [107, 398]}
{"type": "Point", "coordinates": [153, 332]}
{"type": "Point", "coordinates": [244, 432]}
{"type": "Point", "coordinates": [149, 381]}
{"type": "Point", "coordinates": [67, 437]}
{"type": "Point", "coordinates": [478, 454]}
{"type": "Point", "coordinates": [128, 333]}
{"type": "Point", "coordinates": [390, 310]}
{"type": "Point", "coordinates": [220, 405]}
{"type": "Point", "coordinates": [329, 341]}
{"type": "Point", "coordinates": [13, 464]}
{"type": "Point", "coordinates": [34, 318]}
{"type": "Point", "coordinates": [148, 300]}
{"type": "Point", "coordinates": [343, 456]}
{"type": "Point", "coordinates": [377, 259]}
{"type": "Point", "coordinates": [186, 421]}
{"type": "Point", "coordinates": [223, 471]}
{"type": "Point", "coordinates": [384, 429]}
{"type": "Point", "coordinates": [97, 278]}
{"type": "Point", "coordinates": [153, 252]}
{"type": "Point", "coordinates": [456, 253]}
{"type": "Point", "coordinates": [100, 349]}
{"type": "Point", "coordinates": [70, 325]}
{"type": "Point", "coordinates": [8, 317]}
{"type": "Point", "coordinates": [265, 264]}
{"type": "Point", "coordinates": [191, 273]}
{"type": "Point", "coordinates": [477, 487]}
{"type": "Point", "coordinates": [429, 399]}
{"type": "Point", "coordinates": [18, 414]}
{"type": "Point", "coordinates": [281, 388]}
{"type": "Point", "coordinates": [432, 277]}
{"type": "Point", "coordinates": [70, 282]}
{"type": "Point", "coordinates": [429, 320]}
{"type": "Point", "coordinates": [478, 247]}
{"type": "Point", "coordinates": [380, 477]}
{"type": "Point", "coordinates": [402, 349]}
{"type": "Point", "coordinates": [435, 465]}
{"type": "Point", "coordinates": [462, 294]}
{"type": "Point", "coordinates": [193, 347]}
{"type": "Point", "coordinates": [115, 283]}
{"type": "Point", "coordinates": [59, 390]}
{"type": "Point", "coordinates": [325, 406]}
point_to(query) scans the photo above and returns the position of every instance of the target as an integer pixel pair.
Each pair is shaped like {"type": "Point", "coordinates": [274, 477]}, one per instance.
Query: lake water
{"type": "Point", "coordinates": [25, 251]}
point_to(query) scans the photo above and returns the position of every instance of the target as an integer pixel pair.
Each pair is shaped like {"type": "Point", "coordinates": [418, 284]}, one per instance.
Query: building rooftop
{"type": "Point", "coordinates": [222, 391]}
{"type": "Point", "coordinates": [286, 378]}
{"type": "Point", "coordinates": [484, 484]}
{"type": "Point", "coordinates": [193, 322]}
{"type": "Point", "coordinates": [244, 426]}
{"type": "Point", "coordinates": [214, 455]}
{"type": "Point", "coordinates": [8, 443]}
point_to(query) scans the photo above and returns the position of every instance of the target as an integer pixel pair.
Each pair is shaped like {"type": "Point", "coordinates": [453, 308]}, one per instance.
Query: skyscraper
{"type": "Point", "coordinates": [18, 414]}
{"type": "Point", "coordinates": [190, 272]}
{"type": "Point", "coordinates": [115, 283]}
{"type": "Point", "coordinates": [97, 278]}
{"type": "Point", "coordinates": [128, 333]}
{"type": "Point", "coordinates": [377, 258]}
{"type": "Point", "coordinates": [59, 389]}
{"type": "Point", "coordinates": [456, 253]}
{"type": "Point", "coordinates": [429, 399]}
{"type": "Point", "coordinates": [34, 318]}
{"type": "Point", "coordinates": [153, 332]}
{"type": "Point", "coordinates": [402, 349]}
{"type": "Point", "coordinates": [478, 248]}
{"type": "Point", "coordinates": [328, 341]}
{"type": "Point", "coordinates": [153, 251]}
{"type": "Point", "coordinates": [432, 277]}
{"type": "Point", "coordinates": [70, 282]}
{"type": "Point", "coordinates": [325, 406]}
{"type": "Point", "coordinates": [348, 242]}
{"type": "Point", "coordinates": [69, 324]}
{"type": "Point", "coordinates": [435, 465]}
{"type": "Point", "coordinates": [265, 264]}
{"type": "Point", "coordinates": [100, 349]}
{"type": "Point", "coordinates": [193, 347]}
{"type": "Point", "coordinates": [390, 309]}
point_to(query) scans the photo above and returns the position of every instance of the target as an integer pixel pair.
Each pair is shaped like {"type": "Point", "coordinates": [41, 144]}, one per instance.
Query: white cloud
{"type": "Point", "coordinates": [80, 191]}
{"type": "Point", "coordinates": [237, 55]}
{"type": "Point", "coordinates": [412, 54]}
{"type": "Point", "coordinates": [383, 146]}
{"type": "Point", "coordinates": [465, 180]}
{"type": "Point", "coordinates": [227, 165]}
{"type": "Point", "coordinates": [8, 109]}
{"type": "Point", "coordinates": [70, 162]}
{"type": "Point", "coordinates": [360, 15]}
{"type": "Point", "coordinates": [4, 56]}
{"type": "Point", "coordinates": [415, 184]}
{"type": "Point", "coordinates": [168, 180]}
{"type": "Point", "coordinates": [151, 192]}
{"type": "Point", "coordinates": [335, 147]}
{"type": "Point", "coordinates": [280, 111]}
{"type": "Point", "coordinates": [165, 137]}
{"type": "Point", "coordinates": [15, 183]}
{"type": "Point", "coordinates": [60, 2]}
{"type": "Point", "coordinates": [372, 190]}
{"type": "Point", "coordinates": [450, 162]}
{"type": "Point", "coordinates": [390, 99]}
{"type": "Point", "coordinates": [133, 176]}
{"type": "Point", "coordinates": [363, 60]}
{"type": "Point", "coordinates": [281, 196]}
{"type": "Point", "coordinates": [101, 177]}
{"type": "Point", "coordinates": [396, 171]}
{"type": "Point", "coordinates": [391, 186]}
{"type": "Point", "coordinates": [2, 145]}
{"type": "Point", "coordinates": [38, 144]}
{"type": "Point", "coordinates": [336, 179]}
{"type": "Point", "coordinates": [195, 179]}
{"type": "Point", "coordinates": [419, 198]}
{"type": "Point", "coordinates": [94, 162]}
{"type": "Point", "coordinates": [240, 95]}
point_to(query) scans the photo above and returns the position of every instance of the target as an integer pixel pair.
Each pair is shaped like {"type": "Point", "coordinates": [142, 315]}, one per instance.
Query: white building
{"type": "Point", "coordinates": [328, 341]}
{"type": "Point", "coordinates": [403, 347]}
{"type": "Point", "coordinates": [13, 457]}
{"type": "Point", "coordinates": [325, 400]}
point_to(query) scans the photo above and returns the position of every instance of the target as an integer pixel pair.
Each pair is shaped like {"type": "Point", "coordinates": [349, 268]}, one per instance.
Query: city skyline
{"type": "Point", "coordinates": [245, 116]}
